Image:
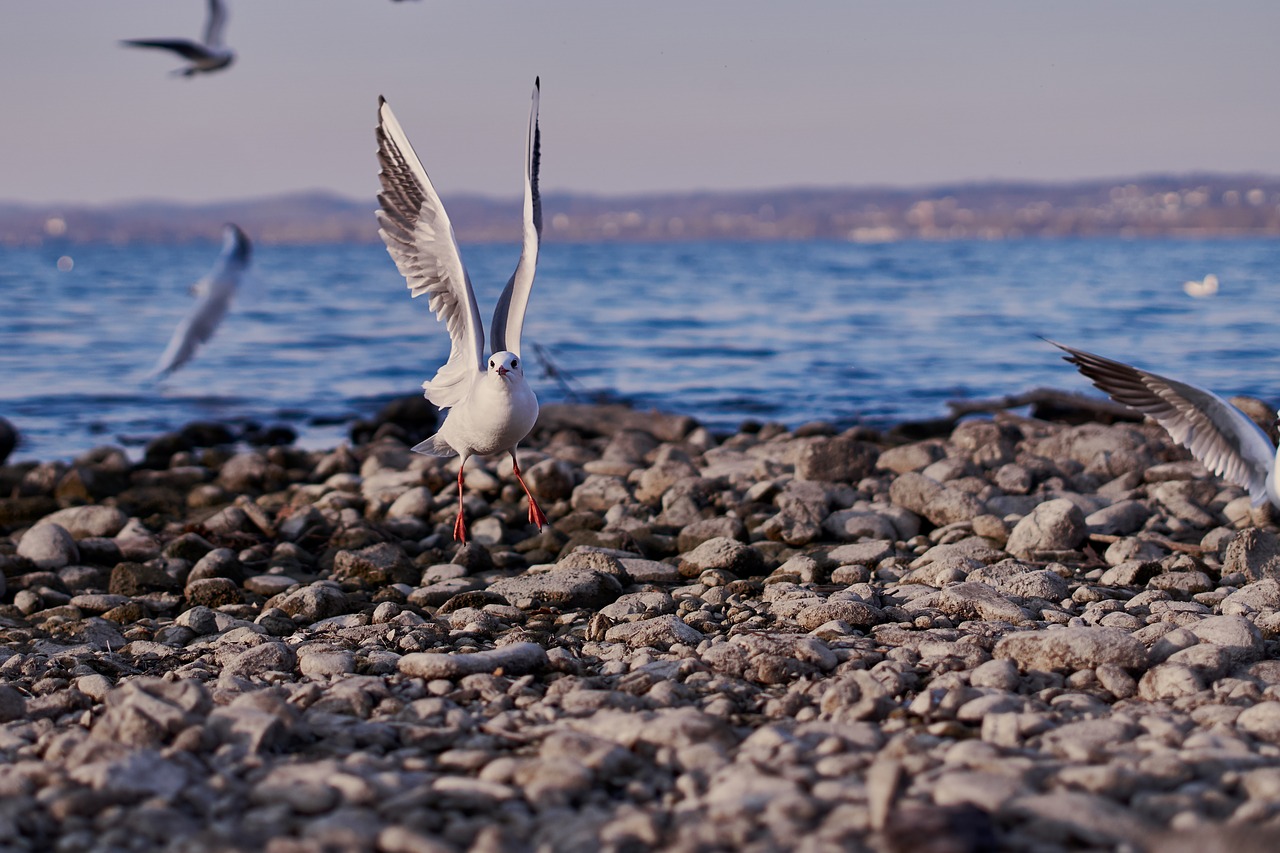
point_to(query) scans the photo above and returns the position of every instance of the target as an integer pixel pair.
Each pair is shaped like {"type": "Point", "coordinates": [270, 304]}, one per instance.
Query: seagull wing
{"type": "Point", "coordinates": [183, 47]}
{"type": "Point", "coordinates": [216, 291]}
{"type": "Point", "coordinates": [508, 317]}
{"type": "Point", "coordinates": [1216, 432]}
{"type": "Point", "coordinates": [420, 238]}
{"type": "Point", "coordinates": [216, 23]}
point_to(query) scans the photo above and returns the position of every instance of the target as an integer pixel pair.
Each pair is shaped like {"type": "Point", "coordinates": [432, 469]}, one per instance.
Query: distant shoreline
{"type": "Point", "coordinates": [1192, 206]}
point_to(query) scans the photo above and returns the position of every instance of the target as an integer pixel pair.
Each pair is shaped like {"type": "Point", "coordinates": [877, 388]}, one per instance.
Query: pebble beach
{"type": "Point", "coordinates": [1020, 634]}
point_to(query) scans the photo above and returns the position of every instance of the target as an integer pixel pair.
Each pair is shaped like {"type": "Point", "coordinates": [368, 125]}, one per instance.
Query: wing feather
{"type": "Point", "coordinates": [1218, 434]}
{"type": "Point", "coordinates": [413, 223]}
{"type": "Point", "coordinates": [508, 316]}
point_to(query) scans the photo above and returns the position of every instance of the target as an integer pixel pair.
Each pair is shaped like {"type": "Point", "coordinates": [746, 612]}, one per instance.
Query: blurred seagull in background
{"type": "Point", "coordinates": [206, 57]}
{"type": "Point", "coordinates": [491, 406]}
{"type": "Point", "coordinates": [214, 293]}
{"type": "Point", "coordinates": [1218, 434]}
{"type": "Point", "coordinates": [1206, 287]}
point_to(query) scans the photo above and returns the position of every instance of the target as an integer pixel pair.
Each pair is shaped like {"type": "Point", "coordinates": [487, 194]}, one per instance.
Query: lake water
{"type": "Point", "coordinates": [725, 332]}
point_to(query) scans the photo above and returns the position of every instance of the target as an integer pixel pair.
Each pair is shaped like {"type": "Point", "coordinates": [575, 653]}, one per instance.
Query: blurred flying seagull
{"type": "Point", "coordinates": [1206, 287]}
{"type": "Point", "coordinates": [214, 293]}
{"type": "Point", "coordinates": [1218, 434]}
{"type": "Point", "coordinates": [491, 406]}
{"type": "Point", "coordinates": [208, 56]}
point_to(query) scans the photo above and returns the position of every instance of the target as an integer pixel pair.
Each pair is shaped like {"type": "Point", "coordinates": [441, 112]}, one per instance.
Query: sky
{"type": "Point", "coordinates": [665, 95]}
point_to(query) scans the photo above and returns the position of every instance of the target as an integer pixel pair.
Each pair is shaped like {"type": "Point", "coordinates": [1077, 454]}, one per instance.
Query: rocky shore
{"type": "Point", "coordinates": [1023, 635]}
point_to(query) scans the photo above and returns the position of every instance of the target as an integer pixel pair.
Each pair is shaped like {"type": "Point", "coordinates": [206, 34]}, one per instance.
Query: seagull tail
{"type": "Point", "coordinates": [434, 446]}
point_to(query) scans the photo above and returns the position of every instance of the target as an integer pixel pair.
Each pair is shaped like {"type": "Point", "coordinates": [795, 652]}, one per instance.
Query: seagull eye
{"type": "Point", "coordinates": [514, 362]}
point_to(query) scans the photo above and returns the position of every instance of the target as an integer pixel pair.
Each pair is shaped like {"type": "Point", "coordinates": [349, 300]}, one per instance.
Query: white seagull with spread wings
{"type": "Point", "coordinates": [215, 292]}
{"type": "Point", "coordinates": [206, 57]}
{"type": "Point", "coordinates": [491, 407]}
{"type": "Point", "coordinates": [1218, 434]}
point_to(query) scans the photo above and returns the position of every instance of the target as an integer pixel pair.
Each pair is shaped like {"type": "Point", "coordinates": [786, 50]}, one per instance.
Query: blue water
{"type": "Point", "coordinates": [725, 332]}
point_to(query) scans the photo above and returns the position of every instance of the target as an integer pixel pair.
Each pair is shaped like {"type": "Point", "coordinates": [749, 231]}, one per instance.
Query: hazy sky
{"type": "Point", "coordinates": [636, 97]}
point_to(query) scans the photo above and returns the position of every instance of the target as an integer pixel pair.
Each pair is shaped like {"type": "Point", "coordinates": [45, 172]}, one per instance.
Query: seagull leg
{"type": "Point", "coordinates": [460, 524]}
{"type": "Point", "coordinates": [535, 511]}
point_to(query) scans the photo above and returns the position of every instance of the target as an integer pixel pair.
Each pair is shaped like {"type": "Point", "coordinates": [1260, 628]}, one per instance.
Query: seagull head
{"type": "Point", "coordinates": [506, 364]}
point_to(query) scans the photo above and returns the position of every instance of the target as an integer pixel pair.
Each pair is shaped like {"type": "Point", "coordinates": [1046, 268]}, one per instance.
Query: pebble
{"type": "Point", "coordinates": [733, 641]}
{"type": "Point", "coordinates": [48, 546]}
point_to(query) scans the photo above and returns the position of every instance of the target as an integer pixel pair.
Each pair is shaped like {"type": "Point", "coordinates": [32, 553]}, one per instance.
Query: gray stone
{"type": "Point", "coordinates": [135, 774]}
{"type": "Point", "coordinates": [376, 565]}
{"type": "Point", "coordinates": [13, 705]}
{"type": "Point", "coordinates": [1255, 553]}
{"type": "Point", "coordinates": [312, 603]}
{"type": "Point", "coordinates": [854, 613]}
{"type": "Point", "coordinates": [1073, 649]}
{"type": "Point", "coordinates": [704, 529]}
{"type": "Point", "coordinates": [862, 554]}
{"type": "Point", "coordinates": [515, 659]}
{"type": "Point", "coordinates": [1055, 525]}
{"type": "Point", "coordinates": [325, 663]}
{"type": "Point", "coordinates": [566, 588]}
{"type": "Point", "coordinates": [89, 520]}
{"type": "Point", "coordinates": [259, 721]}
{"type": "Point", "coordinates": [1261, 721]}
{"type": "Point", "coordinates": [660, 632]}
{"type": "Point", "coordinates": [600, 492]}
{"type": "Point", "coordinates": [1169, 681]}
{"type": "Point", "coordinates": [244, 472]}
{"type": "Point", "coordinates": [1130, 573]}
{"type": "Point", "coordinates": [1234, 633]}
{"type": "Point", "coordinates": [1089, 740]}
{"type": "Point", "coordinates": [970, 600]}
{"type": "Point", "coordinates": [647, 604]}
{"type": "Point", "coordinates": [770, 658]}
{"type": "Point", "coordinates": [910, 457]}
{"type": "Point", "coordinates": [840, 459]}
{"type": "Point", "coordinates": [650, 571]}
{"type": "Point", "coordinates": [256, 660]}
{"type": "Point", "coordinates": [415, 502]}
{"type": "Point", "coordinates": [1122, 517]}
{"type": "Point", "coordinates": [850, 525]}
{"type": "Point", "coordinates": [48, 546]}
{"type": "Point", "coordinates": [722, 553]}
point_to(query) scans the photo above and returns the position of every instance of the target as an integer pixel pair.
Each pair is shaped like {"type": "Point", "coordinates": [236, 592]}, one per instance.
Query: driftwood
{"type": "Point", "coordinates": [1184, 547]}
{"type": "Point", "coordinates": [1047, 404]}
{"type": "Point", "coordinates": [1050, 404]}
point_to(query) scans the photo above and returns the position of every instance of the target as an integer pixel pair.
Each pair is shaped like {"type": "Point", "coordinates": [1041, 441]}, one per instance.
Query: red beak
{"type": "Point", "coordinates": [502, 371]}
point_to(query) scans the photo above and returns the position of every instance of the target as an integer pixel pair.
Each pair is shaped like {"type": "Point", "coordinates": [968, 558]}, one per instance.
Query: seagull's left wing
{"type": "Point", "coordinates": [1216, 432]}
{"type": "Point", "coordinates": [420, 238]}
{"type": "Point", "coordinates": [508, 317]}
{"type": "Point", "coordinates": [216, 291]}
{"type": "Point", "coordinates": [216, 24]}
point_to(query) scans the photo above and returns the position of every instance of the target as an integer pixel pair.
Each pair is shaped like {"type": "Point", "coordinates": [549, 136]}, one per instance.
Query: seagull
{"type": "Point", "coordinates": [1207, 287]}
{"type": "Point", "coordinates": [215, 291]}
{"type": "Point", "coordinates": [206, 57]}
{"type": "Point", "coordinates": [491, 407]}
{"type": "Point", "coordinates": [1218, 434]}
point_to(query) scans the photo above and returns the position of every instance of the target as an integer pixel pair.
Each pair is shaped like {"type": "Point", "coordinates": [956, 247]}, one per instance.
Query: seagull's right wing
{"type": "Point", "coordinates": [508, 316]}
{"type": "Point", "coordinates": [420, 238]}
{"type": "Point", "coordinates": [1216, 432]}
{"type": "Point", "coordinates": [183, 47]}
{"type": "Point", "coordinates": [216, 291]}
{"type": "Point", "coordinates": [217, 22]}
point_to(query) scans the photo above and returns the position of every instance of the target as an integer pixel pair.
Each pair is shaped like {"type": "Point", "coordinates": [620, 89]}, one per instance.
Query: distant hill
{"type": "Point", "coordinates": [1195, 205]}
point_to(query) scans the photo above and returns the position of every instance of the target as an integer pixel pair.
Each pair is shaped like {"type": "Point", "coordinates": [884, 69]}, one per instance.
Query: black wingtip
{"type": "Point", "coordinates": [537, 82]}
{"type": "Point", "coordinates": [381, 101]}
